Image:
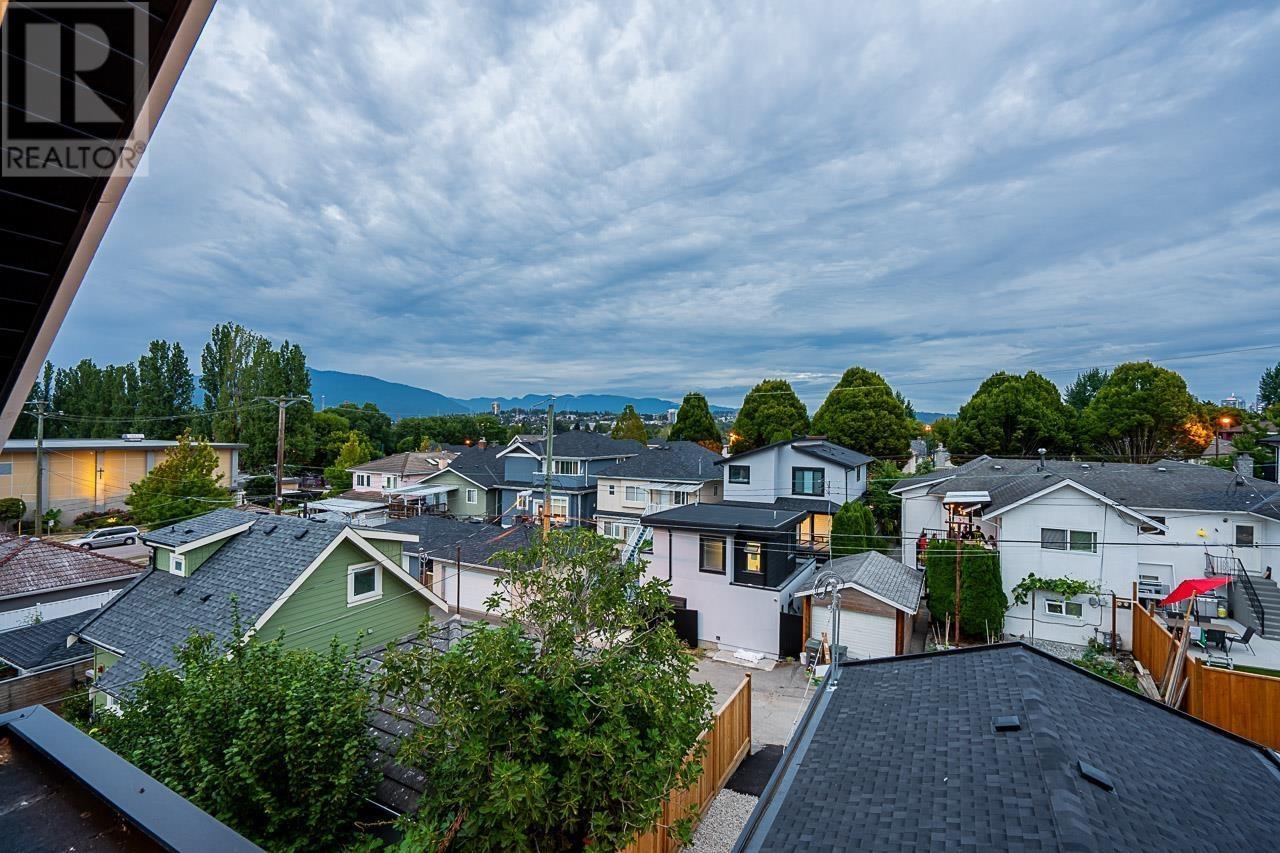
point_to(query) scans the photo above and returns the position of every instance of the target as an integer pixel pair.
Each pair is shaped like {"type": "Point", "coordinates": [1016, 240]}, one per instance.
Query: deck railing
{"type": "Point", "coordinates": [1233, 568]}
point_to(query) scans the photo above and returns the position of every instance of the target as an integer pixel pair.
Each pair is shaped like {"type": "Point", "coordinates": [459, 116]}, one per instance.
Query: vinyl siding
{"type": "Point", "coordinates": [458, 500]}
{"type": "Point", "coordinates": [102, 659]}
{"type": "Point", "coordinates": [392, 548]}
{"type": "Point", "coordinates": [318, 610]}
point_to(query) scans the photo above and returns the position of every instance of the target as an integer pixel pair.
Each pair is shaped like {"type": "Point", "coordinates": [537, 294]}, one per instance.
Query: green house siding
{"type": "Point", "coordinates": [458, 505]}
{"type": "Point", "coordinates": [318, 610]}
{"type": "Point", "coordinates": [162, 558]}
{"type": "Point", "coordinates": [193, 558]}
{"type": "Point", "coordinates": [392, 548]}
{"type": "Point", "coordinates": [102, 659]}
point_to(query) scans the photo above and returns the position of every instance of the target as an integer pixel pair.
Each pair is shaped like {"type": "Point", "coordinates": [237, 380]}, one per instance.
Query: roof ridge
{"type": "Point", "coordinates": [22, 546]}
{"type": "Point", "coordinates": [82, 552]}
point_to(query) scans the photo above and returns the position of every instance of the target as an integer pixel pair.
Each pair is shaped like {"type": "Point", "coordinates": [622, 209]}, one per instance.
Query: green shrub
{"type": "Point", "coordinates": [982, 599]}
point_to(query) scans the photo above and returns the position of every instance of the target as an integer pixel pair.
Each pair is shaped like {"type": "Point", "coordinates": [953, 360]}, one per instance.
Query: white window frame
{"type": "Point", "coordinates": [353, 599]}
{"type": "Point", "coordinates": [612, 489]}
{"type": "Point", "coordinates": [473, 496]}
{"type": "Point", "coordinates": [1253, 536]}
{"type": "Point", "coordinates": [1062, 607]}
{"type": "Point", "coordinates": [362, 480]}
{"type": "Point", "coordinates": [571, 467]}
{"type": "Point", "coordinates": [636, 495]}
{"type": "Point", "coordinates": [389, 481]}
{"type": "Point", "coordinates": [1066, 544]}
{"type": "Point", "coordinates": [178, 565]}
{"type": "Point", "coordinates": [732, 469]}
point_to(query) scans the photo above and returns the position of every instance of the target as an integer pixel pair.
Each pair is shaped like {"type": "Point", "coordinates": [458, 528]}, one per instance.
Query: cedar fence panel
{"type": "Point", "coordinates": [1241, 702]}
{"type": "Point", "coordinates": [728, 742]}
{"type": "Point", "coordinates": [41, 688]}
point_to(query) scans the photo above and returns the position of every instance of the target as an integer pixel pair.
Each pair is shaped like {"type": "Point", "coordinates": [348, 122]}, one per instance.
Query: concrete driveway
{"type": "Point", "coordinates": [776, 696]}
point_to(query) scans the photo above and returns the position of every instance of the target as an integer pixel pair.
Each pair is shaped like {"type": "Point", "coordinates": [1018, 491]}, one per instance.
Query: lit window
{"type": "Point", "coordinates": [1058, 607]}
{"type": "Point", "coordinates": [739, 473]}
{"type": "Point", "coordinates": [752, 551]}
{"type": "Point", "coordinates": [712, 561]}
{"type": "Point", "coordinates": [364, 583]}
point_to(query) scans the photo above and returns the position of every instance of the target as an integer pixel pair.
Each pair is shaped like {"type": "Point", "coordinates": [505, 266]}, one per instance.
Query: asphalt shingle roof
{"type": "Point", "coordinates": [481, 465]}
{"type": "Point", "coordinates": [675, 461]}
{"type": "Point", "coordinates": [408, 463]}
{"type": "Point", "coordinates": [581, 444]}
{"type": "Point", "coordinates": [209, 524]}
{"type": "Point", "coordinates": [815, 447]}
{"type": "Point", "coordinates": [29, 565]}
{"type": "Point", "coordinates": [903, 755]}
{"type": "Point", "coordinates": [160, 610]}
{"type": "Point", "coordinates": [1160, 485]}
{"type": "Point", "coordinates": [43, 644]}
{"type": "Point", "coordinates": [440, 537]}
{"type": "Point", "coordinates": [883, 577]}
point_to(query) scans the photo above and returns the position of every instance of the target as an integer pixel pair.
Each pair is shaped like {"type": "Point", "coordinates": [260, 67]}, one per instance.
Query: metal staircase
{"type": "Point", "coordinates": [632, 549]}
{"type": "Point", "coordinates": [1263, 595]}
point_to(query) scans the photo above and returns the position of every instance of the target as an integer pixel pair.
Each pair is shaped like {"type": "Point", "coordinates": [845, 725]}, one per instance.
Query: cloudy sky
{"type": "Point", "coordinates": [490, 199]}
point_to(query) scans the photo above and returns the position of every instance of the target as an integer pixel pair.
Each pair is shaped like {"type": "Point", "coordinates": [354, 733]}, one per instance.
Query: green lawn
{"type": "Point", "coordinates": [1257, 670]}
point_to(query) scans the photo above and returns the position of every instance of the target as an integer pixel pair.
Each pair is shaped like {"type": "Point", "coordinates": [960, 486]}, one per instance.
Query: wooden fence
{"type": "Point", "coordinates": [42, 688]}
{"type": "Point", "coordinates": [1240, 702]}
{"type": "Point", "coordinates": [728, 742]}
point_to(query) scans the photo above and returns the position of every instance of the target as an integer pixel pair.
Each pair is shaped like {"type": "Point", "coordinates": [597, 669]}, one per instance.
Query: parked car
{"type": "Point", "coordinates": [105, 537]}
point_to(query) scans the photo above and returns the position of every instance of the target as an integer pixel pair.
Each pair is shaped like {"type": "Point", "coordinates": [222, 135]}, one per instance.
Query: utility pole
{"type": "Point", "coordinates": [41, 411]}
{"type": "Point", "coordinates": [282, 403]}
{"type": "Point", "coordinates": [546, 473]}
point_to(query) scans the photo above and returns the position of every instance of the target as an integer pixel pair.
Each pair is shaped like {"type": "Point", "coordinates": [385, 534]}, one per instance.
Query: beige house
{"type": "Point", "coordinates": [673, 474]}
{"type": "Point", "coordinates": [84, 474]}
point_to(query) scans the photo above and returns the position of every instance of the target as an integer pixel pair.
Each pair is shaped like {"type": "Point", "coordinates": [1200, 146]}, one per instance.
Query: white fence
{"type": "Point", "coordinates": [43, 611]}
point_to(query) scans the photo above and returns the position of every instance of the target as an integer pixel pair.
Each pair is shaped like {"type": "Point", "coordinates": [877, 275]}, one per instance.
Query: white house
{"type": "Point", "coordinates": [1113, 525]}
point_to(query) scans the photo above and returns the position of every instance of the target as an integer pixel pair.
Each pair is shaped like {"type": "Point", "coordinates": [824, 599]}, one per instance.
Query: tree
{"type": "Point", "coordinates": [371, 422]}
{"type": "Point", "coordinates": [695, 423]}
{"type": "Point", "coordinates": [278, 372]}
{"type": "Point", "coordinates": [224, 368]}
{"type": "Point", "coordinates": [356, 450]}
{"type": "Point", "coordinates": [1139, 414]}
{"type": "Point", "coordinates": [166, 388]}
{"type": "Point", "coordinates": [11, 509]}
{"type": "Point", "coordinates": [862, 413]}
{"type": "Point", "coordinates": [942, 430]}
{"type": "Point", "coordinates": [770, 412]}
{"type": "Point", "coordinates": [261, 489]}
{"type": "Point", "coordinates": [885, 508]}
{"type": "Point", "coordinates": [982, 599]}
{"type": "Point", "coordinates": [272, 741]}
{"type": "Point", "coordinates": [331, 431]}
{"type": "Point", "coordinates": [853, 530]}
{"type": "Point", "coordinates": [909, 409]}
{"type": "Point", "coordinates": [183, 484]}
{"type": "Point", "coordinates": [1269, 387]}
{"type": "Point", "coordinates": [1082, 390]}
{"type": "Point", "coordinates": [629, 426]}
{"type": "Point", "coordinates": [1013, 415]}
{"type": "Point", "coordinates": [568, 722]}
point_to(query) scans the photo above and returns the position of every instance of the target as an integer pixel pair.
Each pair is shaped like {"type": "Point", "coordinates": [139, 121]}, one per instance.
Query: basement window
{"type": "Point", "coordinates": [364, 583]}
{"type": "Point", "coordinates": [1058, 607]}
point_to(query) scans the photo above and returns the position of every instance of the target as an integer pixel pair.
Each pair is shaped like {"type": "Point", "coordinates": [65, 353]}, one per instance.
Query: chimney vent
{"type": "Point", "coordinates": [482, 443]}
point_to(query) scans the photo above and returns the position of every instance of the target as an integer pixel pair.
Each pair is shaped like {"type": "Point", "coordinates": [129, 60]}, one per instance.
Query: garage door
{"type": "Point", "coordinates": [864, 635]}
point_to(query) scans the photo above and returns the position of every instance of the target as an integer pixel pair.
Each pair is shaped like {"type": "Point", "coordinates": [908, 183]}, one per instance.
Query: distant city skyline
{"type": "Point", "coordinates": [494, 200]}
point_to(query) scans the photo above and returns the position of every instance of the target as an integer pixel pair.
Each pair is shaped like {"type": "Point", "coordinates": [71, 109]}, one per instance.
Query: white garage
{"type": "Point", "coordinates": [879, 597]}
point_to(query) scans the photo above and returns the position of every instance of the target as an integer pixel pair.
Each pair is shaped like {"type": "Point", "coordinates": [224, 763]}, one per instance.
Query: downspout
{"type": "Point", "coordinates": [669, 540]}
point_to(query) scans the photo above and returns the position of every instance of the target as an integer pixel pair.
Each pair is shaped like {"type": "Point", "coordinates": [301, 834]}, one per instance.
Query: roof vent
{"type": "Point", "coordinates": [1096, 776]}
{"type": "Point", "coordinates": [269, 529]}
{"type": "Point", "coordinates": [1008, 723]}
{"type": "Point", "coordinates": [204, 599]}
{"type": "Point", "coordinates": [1161, 468]}
{"type": "Point", "coordinates": [997, 467]}
{"type": "Point", "coordinates": [1084, 465]}
{"type": "Point", "coordinates": [301, 533]}
{"type": "Point", "coordinates": [179, 590]}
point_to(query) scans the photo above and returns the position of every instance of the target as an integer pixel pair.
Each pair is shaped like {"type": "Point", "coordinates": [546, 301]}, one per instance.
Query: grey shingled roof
{"type": "Point", "coordinates": [43, 644]}
{"type": "Point", "coordinates": [725, 516]}
{"type": "Point", "coordinates": [903, 755]}
{"type": "Point", "coordinates": [677, 461]}
{"type": "Point", "coordinates": [160, 610]}
{"type": "Point", "coordinates": [29, 565]}
{"type": "Point", "coordinates": [883, 577]}
{"type": "Point", "coordinates": [407, 463]}
{"type": "Point", "coordinates": [1180, 485]}
{"type": "Point", "coordinates": [182, 532]}
{"type": "Point", "coordinates": [581, 444]}
{"type": "Point", "coordinates": [816, 447]}
{"type": "Point", "coordinates": [480, 465]}
{"type": "Point", "coordinates": [440, 537]}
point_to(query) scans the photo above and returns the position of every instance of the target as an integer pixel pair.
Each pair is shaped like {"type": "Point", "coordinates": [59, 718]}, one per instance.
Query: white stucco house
{"type": "Point", "coordinates": [1111, 524]}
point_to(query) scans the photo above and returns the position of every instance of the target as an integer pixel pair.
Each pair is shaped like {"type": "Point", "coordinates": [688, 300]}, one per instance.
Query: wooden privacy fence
{"type": "Point", "coordinates": [42, 688]}
{"type": "Point", "coordinates": [1239, 702]}
{"type": "Point", "coordinates": [728, 742]}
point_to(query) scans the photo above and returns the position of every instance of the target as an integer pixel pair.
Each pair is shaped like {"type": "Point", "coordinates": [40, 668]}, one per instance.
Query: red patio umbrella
{"type": "Point", "coordinates": [1197, 586]}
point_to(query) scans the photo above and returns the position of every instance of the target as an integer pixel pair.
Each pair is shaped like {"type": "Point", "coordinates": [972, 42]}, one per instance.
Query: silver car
{"type": "Point", "coordinates": [105, 537]}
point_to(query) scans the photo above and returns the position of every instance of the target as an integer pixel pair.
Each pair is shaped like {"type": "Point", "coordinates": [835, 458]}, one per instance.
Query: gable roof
{"type": "Point", "coordinates": [576, 444]}
{"type": "Point", "coordinates": [407, 464]}
{"type": "Point", "coordinates": [676, 461]}
{"type": "Point", "coordinates": [160, 610]}
{"type": "Point", "coordinates": [480, 465]}
{"type": "Point", "coordinates": [1159, 485]}
{"type": "Point", "coordinates": [819, 448]}
{"type": "Point", "coordinates": [440, 538]}
{"type": "Point", "coordinates": [904, 754]}
{"type": "Point", "coordinates": [881, 577]}
{"type": "Point", "coordinates": [194, 529]}
{"type": "Point", "coordinates": [43, 644]}
{"type": "Point", "coordinates": [30, 565]}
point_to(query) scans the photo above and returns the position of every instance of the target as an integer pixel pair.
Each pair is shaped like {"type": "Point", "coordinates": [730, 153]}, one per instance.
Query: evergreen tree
{"type": "Point", "coordinates": [982, 599]}
{"type": "Point", "coordinates": [695, 423]}
{"type": "Point", "coordinates": [853, 530]}
{"type": "Point", "coordinates": [1013, 416]}
{"type": "Point", "coordinates": [166, 388]}
{"type": "Point", "coordinates": [629, 426]}
{"type": "Point", "coordinates": [863, 414]}
{"type": "Point", "coordinates": [1082, 389]}
{"type": "Point", "coordinates": [224, 369]}
{"type": "Point", "coordinates": [355, 451]}
{"type": "Point", "coordinates": [41, 389]}
{"type": "Point", "coordinates": [274, 373]}
{"type": "Point", "coordinates": [770, 412]}
{"type": "Point", "coordinates": [1269, 387]}
{"type": "Point", "coordinates": [183, 484]}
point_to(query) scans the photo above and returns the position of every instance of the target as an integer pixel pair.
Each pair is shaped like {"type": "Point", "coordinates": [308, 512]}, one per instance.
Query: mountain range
{"type": "Point", "coordinates": [332, 387]}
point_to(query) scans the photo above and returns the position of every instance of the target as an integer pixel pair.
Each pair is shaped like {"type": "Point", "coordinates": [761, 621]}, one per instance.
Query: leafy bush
{"type": "Point", "coordinates": [94, 519]}
{"type": "Point", "coordinates": [1108, 668]}
{"type": "Point", "coordinates": [982, 599]}
{"type": "Point", "coordinates": [853, 530]}
{"type": "Point", "coordinates": [11, 509]}
{"type": "Point", "coordinates": [271, 741]}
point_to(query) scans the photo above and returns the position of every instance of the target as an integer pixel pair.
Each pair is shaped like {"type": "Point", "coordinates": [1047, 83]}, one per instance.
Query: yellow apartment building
{"type": "Point", "coordinates": [83, 474]}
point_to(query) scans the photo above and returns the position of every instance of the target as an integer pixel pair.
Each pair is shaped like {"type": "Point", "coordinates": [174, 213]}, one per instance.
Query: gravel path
{"type": "Point", "coordinates": [723, 822]}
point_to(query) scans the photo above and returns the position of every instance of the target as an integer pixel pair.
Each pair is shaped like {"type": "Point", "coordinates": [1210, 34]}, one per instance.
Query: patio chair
{"type": "Point", "coordinates": [1216, 637]}
{"type": "Point", "coordinates": [1242, 640]}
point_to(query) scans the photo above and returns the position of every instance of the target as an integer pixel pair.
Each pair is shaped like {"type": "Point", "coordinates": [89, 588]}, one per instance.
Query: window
{"type": "Point", "coordinates": [715, 490]}
{"type": "Point", "coordinates": [679, 498]}
{"type": "Point", "coordinates": [1080, 541]}
{"type": "Point", "coordinates": [857, 476]}
{"type": "Point", "coordinates": [807, 481]}
{"type": "Point", "coordinates": [616, 530]}
{"type": "Point", "coordinates": [178, 564]}
{"type": "Point", "coordinates": [473, 496]}
{"type": "Point", "coordinates": [364, 583]}
{"type": "Point", "coordinates": [1148, 529]}
{"type": "Point", "coordinates": [362, 480]}
{"type": "Point", "coordinates": [739, 473]}
{"type": "Point", "coordinates": [612, 489]}
{"type": "Point", "coordinates": [388, 482]}
{"type": "Point", "coordinates": [712, 560]}
{"type": "Point", "coordinates": [565, 466]}
{"type": "Point", "coordinates": [1244, 535]}
{"type": "Point", "coordinates": [6, 468]}
{"type": "Point", "coordinates": [637, 495]}
{"type": "Point", "coordinates": [753, 551]}
{"type": "Point", "coordinates": [1058, 607]}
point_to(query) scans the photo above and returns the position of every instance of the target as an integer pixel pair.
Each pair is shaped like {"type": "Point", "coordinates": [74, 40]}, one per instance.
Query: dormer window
{"type": "Point", "coordinates": [178, 565]}
{"type": "Point", "coordinates": [364, 583]}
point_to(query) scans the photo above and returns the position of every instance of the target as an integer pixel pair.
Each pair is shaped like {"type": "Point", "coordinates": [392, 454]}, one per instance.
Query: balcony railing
{"type": "Point", "coordinates": [961, 533]}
